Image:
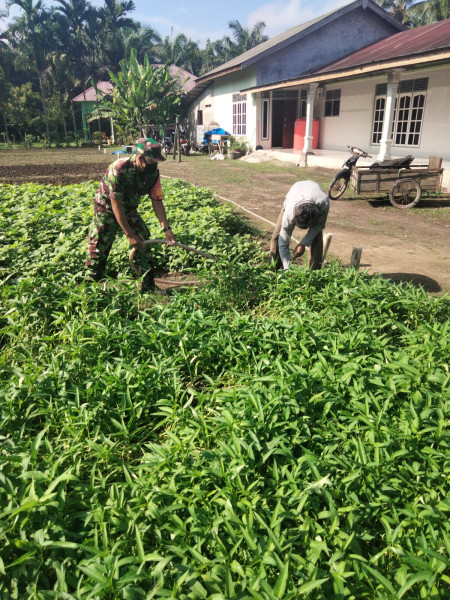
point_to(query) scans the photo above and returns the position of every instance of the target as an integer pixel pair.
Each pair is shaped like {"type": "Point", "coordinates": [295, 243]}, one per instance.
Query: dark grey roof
{"type": "Point", "coordinates": [427, 45]}
{"type": "Point", "coordinates": [293, 34]}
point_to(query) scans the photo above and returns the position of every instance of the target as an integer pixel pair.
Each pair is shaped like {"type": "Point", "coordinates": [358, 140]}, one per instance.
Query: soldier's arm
{"type": "Point", "coordinates": [119, 213]}
{"type": "Point", "coordinates": [161, 215]}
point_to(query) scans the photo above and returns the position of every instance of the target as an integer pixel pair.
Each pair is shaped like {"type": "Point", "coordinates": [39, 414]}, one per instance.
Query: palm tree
{"type": "Point", "coordinates": [181, 51]}
{"type": "Point", "coordinates": [144, 40]}
{"type": "Point", "coordinates": [402, 10]}
{"type": "Point", "coordinates": [29, 34]}
{"type": "Point", "coordinates": [3, 43]}
{"type": "Point", "coordinates": [216, 53]}
{"type": "Point", "coordinates": [431, 11]}
{"type": "Point", "coordinates": [114, 19]}
{"type": "Point", "coordinates": [245, 38]}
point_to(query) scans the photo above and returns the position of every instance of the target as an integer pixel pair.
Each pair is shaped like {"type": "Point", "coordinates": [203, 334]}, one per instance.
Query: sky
{"type": "Point", "coordinates": [203, 19]}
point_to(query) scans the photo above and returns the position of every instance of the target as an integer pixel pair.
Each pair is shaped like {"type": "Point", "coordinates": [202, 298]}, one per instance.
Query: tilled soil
{"type": "Point", "coordinates": [404, 245]}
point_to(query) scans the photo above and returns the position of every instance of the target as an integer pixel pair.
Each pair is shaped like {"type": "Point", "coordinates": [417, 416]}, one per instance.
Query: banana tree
{"type": "Point", "coordinates": [143, 95]}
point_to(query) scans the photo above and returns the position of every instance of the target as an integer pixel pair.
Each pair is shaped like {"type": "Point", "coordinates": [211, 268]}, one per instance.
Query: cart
{"type": "Point", "coordinates": [404, 185]}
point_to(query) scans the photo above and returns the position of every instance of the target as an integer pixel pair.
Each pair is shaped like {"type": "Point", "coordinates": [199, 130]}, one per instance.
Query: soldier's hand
{"type": "Point", "coordinates": [170, 237]}
{"type": "Point", "coordinates": [135, 241]}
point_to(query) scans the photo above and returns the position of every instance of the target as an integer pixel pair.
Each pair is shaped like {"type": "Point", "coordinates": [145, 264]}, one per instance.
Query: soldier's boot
{"type": "Point", "coordinates": [148, 283]}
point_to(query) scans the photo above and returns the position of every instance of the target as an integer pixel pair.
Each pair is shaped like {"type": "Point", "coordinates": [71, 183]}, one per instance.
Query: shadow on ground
{"type": "Point", "coordinates": [428, 284]}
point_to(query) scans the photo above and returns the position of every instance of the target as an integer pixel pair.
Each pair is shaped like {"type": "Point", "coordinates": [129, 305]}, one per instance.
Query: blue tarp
{"type": "Point", "coordinates": [218, 131]}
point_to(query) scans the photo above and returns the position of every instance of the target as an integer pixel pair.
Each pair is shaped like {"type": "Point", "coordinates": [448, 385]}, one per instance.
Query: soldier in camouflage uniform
{"type": "Point", "coordinates": [116, 208]}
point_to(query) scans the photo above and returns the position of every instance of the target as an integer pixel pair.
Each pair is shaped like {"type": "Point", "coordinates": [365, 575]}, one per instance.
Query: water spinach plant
{"type": "Point", "coordinates": [262, 436]}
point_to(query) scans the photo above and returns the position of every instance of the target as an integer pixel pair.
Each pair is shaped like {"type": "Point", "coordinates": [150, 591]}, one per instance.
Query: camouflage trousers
{"type": "Point", "coordinates": [102, 233]}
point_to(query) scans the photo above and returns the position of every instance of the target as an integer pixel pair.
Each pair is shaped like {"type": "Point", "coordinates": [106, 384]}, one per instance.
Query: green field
{"type": "Point", "coordinates": [259, 436]}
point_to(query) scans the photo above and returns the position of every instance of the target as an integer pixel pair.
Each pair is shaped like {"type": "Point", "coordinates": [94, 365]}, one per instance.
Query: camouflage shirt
{"type": "Point", "coordinates": [124, 182]}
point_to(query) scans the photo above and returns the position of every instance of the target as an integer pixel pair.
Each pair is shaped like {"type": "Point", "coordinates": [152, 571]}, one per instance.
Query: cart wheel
{"type": "Point", "coordinates": [405, 193]}
{"type": "Point", "coordinates": [337, 187]}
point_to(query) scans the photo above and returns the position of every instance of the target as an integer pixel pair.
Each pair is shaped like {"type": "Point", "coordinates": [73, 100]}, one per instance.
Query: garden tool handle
{"type": "Point", "coordinates": [163, 241]}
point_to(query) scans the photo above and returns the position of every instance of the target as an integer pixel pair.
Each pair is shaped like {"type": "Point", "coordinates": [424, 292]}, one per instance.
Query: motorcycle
{"type": "Point", "coordinates": [341, 180]}
{"type": "Point", "coordinates": [184, 144]}
{"type": "Point", "coordinates": [168, 142]}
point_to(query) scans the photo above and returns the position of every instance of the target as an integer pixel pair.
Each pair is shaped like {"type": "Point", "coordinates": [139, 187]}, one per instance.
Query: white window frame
{"type": "Point", "coordinates": [265, 118]}
{"type": "Point", "coordinates": [408, 119]}
{"type": "Point", "coordinates": [378, 118]}
{"type": "Point", "coordinates": [409, 112]}
{"type": "Point", "coordinates": [239, 114]}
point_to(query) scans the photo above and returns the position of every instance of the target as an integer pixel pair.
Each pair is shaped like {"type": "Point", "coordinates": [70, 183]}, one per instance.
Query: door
{"type": "Point", "coordinates": [284, 113]}
{"type": "Point", "coordinates": [290, 114]}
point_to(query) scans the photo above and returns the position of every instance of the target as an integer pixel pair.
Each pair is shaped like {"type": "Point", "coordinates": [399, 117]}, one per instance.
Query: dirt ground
{"type": "Point", "coordinates": [404, 245]}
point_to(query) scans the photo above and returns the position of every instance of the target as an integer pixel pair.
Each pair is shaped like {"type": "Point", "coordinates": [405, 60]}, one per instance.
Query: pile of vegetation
{"type": "Point", "coordinates": [262, 436]}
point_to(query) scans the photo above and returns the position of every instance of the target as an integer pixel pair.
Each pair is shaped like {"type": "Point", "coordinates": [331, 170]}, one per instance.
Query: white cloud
{"type": "Point", "coordinates": [284, 14]}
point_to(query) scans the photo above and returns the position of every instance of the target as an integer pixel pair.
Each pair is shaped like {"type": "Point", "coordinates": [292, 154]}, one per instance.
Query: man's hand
{"type": "Point", "coordinates": [170, 237]}
{"type": "Point", "coordinates": [135, 241]}
{"type": "Point", "coordinates": [299, 251]}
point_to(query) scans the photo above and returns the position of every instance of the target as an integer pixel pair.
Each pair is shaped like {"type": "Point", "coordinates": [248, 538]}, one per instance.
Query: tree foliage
{"type": "Point", "coordinates": [430, 11]}
{"type": "Point", "coordinates": [415, 14]}
{"type": "Point", "coordinates": [63, 49]}
{"type": "Point", "coordinates": [143, 95]}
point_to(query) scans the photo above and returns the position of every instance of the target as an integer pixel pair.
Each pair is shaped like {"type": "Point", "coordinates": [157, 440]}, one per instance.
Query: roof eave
{"type": "Point", "coordinates": [325, 21]}
{"type": "Point", "coordinates": [355, 72]}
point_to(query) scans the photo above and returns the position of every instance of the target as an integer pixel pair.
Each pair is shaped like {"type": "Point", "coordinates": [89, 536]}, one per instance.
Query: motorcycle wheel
{"type": "Point", "coordinates": [337, 187]}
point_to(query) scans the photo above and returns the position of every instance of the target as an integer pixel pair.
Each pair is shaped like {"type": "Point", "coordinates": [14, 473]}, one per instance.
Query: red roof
{"type": "Point", "coordinates": [421, 40]}
{"type": "Point", "coordinates": [182, 75]}
{"type": "Point", "coordinates": [90, 94]}
{"type": "Point", "coordinates": [105, 86]}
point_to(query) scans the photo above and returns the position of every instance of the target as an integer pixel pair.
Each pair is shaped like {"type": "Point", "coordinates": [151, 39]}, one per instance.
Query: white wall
{"type": "Point", "coordinates": [205, 103]}
{"type": "Point", "coordinates": [224, 88]}
{"type": "Point", "coordinates": [353, 126]}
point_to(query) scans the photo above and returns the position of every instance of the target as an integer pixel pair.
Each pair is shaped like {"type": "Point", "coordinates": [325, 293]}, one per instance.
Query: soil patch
{"type": "Point", "coordinates": [404, 245]}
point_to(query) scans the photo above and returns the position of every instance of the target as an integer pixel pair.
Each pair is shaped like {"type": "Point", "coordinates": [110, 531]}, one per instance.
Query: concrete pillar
{"type": "Point", "coordinates": [386, 135]}
{"type": "Point", "coordinates": [310, 97]}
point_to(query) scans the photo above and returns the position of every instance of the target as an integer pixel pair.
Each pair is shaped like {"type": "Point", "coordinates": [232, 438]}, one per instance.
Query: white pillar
{"type": "Point", "coordinates": [386, 135]}
{"type": "Point", "coordinates": [310, 97]}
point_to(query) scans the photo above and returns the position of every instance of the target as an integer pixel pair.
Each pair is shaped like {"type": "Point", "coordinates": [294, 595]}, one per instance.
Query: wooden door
{"type": "Point", "coordinates": [284, 113]}
{"type": "Point", "coordinates": [290, 114]}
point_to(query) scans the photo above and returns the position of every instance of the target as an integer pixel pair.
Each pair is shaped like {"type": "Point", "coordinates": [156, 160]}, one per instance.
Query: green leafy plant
{"type": "Point", "coordinates": [261, 436]}
{"type": "Point", "coordinates": [238, 144]}
{"type": "Point", "coordinates": [143, 95]}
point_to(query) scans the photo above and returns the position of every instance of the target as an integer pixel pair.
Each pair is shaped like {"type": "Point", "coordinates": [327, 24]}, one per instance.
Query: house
{"type": "Point", "coordinates": [89, 99]}
{"type": "Point", "coordinates": [267, 116]}
{"type": "Point", "coordinates": [352, 77]}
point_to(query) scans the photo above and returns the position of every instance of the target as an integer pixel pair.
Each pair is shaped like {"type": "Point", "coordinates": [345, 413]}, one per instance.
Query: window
{"type": "Point", "coordinates": [239, 114]}
{"type": "Point", "coordinates": [408, 112]}
{"type": "Point", "coordinates": [332, 103]}
{"type": "Point", "coordinates": [265, 119]}
{"type": "Point", "coordinates": [408, 119]}
{"type": "Point", "coordinates": [377, 130]}
{"type": "Point", "coordinates": [199, 117]}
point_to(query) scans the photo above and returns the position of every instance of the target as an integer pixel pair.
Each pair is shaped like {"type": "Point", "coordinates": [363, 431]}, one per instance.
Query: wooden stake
{"type": "Point", "coordinates": [356, 257]}
{"type": "Point", "coordinates": [326, 244]}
